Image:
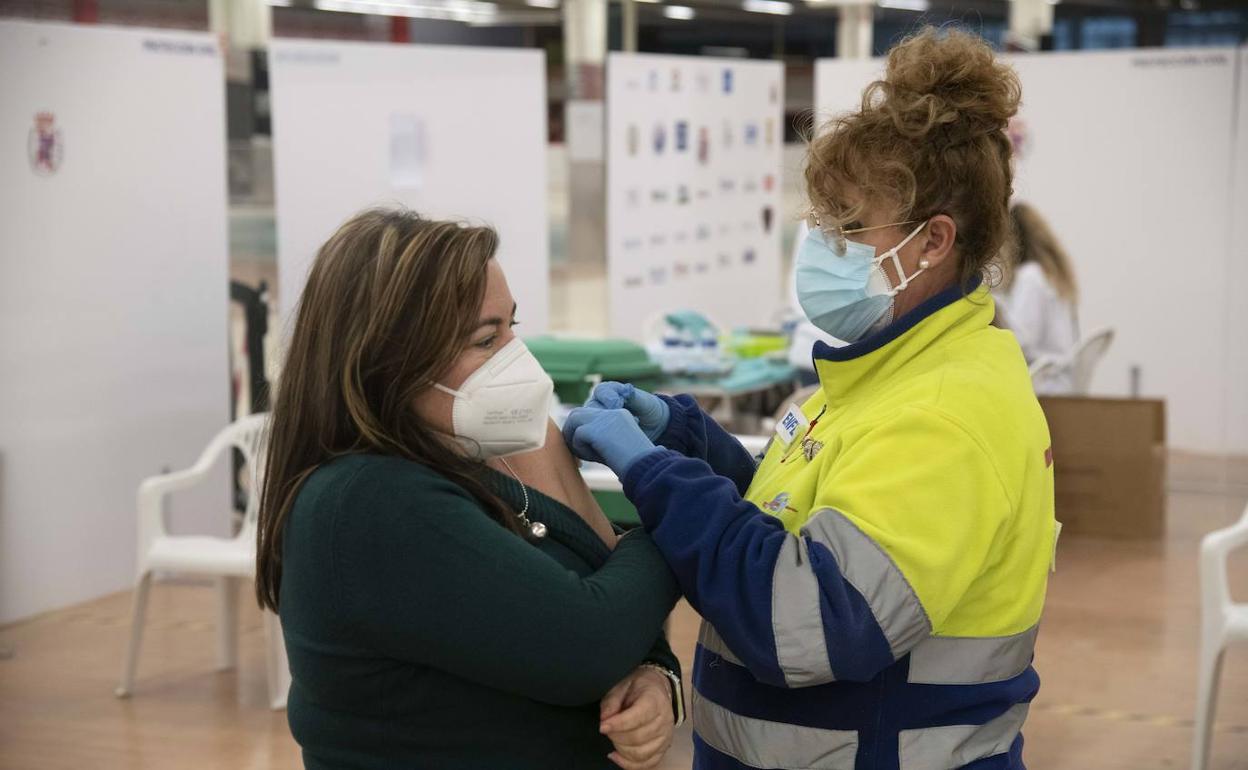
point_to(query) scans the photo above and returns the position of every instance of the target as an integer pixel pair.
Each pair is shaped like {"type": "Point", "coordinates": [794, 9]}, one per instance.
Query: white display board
{"type": "Point", "coordinates": [113, 297]}
{"type": "Point", "coordinates": [693, 188]}
{"type": "Point", "coordinates": [448, 131]}
{"type": "Point", "coordinates": [1126, 153]}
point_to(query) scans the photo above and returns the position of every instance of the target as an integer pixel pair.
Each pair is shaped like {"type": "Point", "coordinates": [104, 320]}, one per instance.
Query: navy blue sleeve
{"type": "Point", "coordinates": [779, 601]}
{"type": "Point", "coordinates": [691, 432]}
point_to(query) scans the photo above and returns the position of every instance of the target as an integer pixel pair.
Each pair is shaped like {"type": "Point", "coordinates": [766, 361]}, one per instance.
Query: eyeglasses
{"type": "Point", "coordinates": [835, 236]}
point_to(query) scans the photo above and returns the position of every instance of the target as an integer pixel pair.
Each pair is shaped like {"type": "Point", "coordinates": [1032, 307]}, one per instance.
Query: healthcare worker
{"type": "Point", "coordinates": [872, 590]}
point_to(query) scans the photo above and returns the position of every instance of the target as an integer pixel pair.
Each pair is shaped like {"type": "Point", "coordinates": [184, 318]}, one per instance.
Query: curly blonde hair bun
{"type": "Point", "coordinates": [929, 138]}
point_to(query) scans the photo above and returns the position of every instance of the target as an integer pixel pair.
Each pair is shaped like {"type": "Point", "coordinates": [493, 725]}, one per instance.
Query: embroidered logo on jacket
{"type": "Point", "coordinates": [780, 503]}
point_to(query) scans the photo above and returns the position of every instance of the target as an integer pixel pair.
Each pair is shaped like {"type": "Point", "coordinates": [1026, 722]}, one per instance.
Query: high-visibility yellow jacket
{"type": "Point", "coordinates": [871, 590]}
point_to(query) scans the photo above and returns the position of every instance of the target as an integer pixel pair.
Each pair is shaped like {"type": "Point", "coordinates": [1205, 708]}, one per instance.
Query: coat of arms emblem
{"type": "Point", "coordinates": [44, 145]}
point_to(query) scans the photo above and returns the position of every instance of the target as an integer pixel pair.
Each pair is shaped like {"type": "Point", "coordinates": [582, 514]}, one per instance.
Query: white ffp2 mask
{"type": "Point", "coordinates": [503, 408]}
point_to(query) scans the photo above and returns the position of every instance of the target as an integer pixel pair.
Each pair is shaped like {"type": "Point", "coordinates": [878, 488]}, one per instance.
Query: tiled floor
{"type": "Point", "coordinates": [1116, 655]}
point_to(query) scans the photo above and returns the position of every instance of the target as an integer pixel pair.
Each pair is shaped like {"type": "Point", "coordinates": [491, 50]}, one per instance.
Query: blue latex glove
{"type": "Point", "coordinates": [651, 411]}
{"type": "Point", "coordinates": [608, 436]}
{"type": "Point", "coordinates": [577, 418]}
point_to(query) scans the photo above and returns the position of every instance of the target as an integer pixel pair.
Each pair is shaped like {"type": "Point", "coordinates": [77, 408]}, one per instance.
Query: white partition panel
{"type": "Point", "coordinates": [113, 296]}
{"type": "Point", "coordinates": [693, 188]}
{"type": "Point", "coordinates": [839, 84]}
{"type": "Point", "coordinates": [451, 132]}
{"type": "Point", "coordinates": [1233, 293]}
{"type": "Point", "coordinates": [1127, 153]}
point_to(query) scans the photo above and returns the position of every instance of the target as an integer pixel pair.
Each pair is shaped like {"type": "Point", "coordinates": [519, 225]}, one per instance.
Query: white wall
{"type": "Point", "coordinates": [665, 255]}
{"type": "Point", "coordinates": [113, 298]}
{"type": "Point", "coordinates": [1127, 155]}
{"type": "Point", "coordinates": [471, 133]}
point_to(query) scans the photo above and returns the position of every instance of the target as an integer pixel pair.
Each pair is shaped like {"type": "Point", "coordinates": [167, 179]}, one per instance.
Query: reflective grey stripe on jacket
{"type": "Point", "coordinates": [796, 619]}
{"type": "Point", "coordinates": [713, 643]}
{"type": "Point", "coordinates": [760, 743]}
{"type": "Point", "coordinates": [940, 748]}
{"type": "Point", "coordinates": [801, 648]}
{"type": "Point", "coordinates": [972, 660]}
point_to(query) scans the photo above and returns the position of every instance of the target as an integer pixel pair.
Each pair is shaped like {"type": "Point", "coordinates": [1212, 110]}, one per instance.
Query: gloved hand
{"type": "Point", "coordinates": [651, 411]}
{"type": "Point", "coordinates": [608, 436]}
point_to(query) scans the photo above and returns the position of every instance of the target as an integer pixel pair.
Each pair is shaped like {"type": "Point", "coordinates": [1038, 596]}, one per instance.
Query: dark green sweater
{"type": "Point", "coordinates": [422, 634]}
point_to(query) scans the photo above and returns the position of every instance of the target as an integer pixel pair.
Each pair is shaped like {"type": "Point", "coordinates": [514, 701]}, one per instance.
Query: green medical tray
{"type": "Point", "coordinates": [575, 364]}
{"type": "Point", "coordinates": [753, 345]}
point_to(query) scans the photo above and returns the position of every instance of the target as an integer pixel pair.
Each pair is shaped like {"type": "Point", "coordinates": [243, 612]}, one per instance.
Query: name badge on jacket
{"type": "Point", "coordinates": [792, 422]}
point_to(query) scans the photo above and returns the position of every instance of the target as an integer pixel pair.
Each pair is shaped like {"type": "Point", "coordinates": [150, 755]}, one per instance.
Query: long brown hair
{"type": "Point", "coordinates": [1034, 241]}
{"type": "Point", "coordinates": [927, 139]}
{"type": "Point", "coordinates": [389, 304]}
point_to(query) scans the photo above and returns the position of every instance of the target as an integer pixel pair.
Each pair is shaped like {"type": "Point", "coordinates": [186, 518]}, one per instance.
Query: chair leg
{"type": "Point", "coordinates": [276, 665]}
{"type": "Point", "coordinates": [227, 623]}
{"type": "Point", "coordinates": [139, 613]}
{"type": "Point", "coordinates": [1210, 673]}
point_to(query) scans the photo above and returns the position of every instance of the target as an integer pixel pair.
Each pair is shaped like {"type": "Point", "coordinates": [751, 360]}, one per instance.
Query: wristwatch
{"type": "Point", "coordinates": [678, 693]}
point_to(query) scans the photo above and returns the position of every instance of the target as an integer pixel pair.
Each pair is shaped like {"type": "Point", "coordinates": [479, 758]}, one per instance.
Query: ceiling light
{"type": "Point", "coordinates": [905, 5]}
{"type": "Point", "coordinates": [681, 12]}
{"type": "Point", "coordinates": [768, 6]}
{"type": "Point", "coordinates": [450, 10]}
{"type": "Point", "coordinates": [542, 3]}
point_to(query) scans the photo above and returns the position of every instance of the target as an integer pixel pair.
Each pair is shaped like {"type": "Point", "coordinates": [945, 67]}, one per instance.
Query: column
{"type": "Point", "coordinates": [855, 32]}
{"type": "Point", "coordinates": [243, 24]}
{"type": "Point", "coordinates": [585, 52]}
{"type": "Point", "coordinates": [629, 23]}
{"type": "Point", "coordinates": [86, 11]}
{"type": "Point", "coordinates": [1030, 20]}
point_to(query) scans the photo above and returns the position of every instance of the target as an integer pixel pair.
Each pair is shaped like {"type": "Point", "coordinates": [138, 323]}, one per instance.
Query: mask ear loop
{"type": "Point", "coordinates": [901, 272]}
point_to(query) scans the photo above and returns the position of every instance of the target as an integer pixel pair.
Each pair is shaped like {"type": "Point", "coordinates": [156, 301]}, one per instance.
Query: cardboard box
{"type": "Point", "coordinates": [1109, 463]}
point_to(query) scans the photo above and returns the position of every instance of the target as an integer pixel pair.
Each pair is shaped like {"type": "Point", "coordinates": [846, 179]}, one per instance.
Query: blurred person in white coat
{"type": "Point", "coordinates": [1040, 296]}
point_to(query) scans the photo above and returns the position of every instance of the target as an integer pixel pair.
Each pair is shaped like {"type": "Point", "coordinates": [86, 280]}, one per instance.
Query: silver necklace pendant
{"type": "Point", "coordinates": [536, 528]}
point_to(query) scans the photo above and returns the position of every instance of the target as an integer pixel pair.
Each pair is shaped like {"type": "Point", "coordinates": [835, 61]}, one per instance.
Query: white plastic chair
{"type": "Point", "coordinates": [1045, 368]}
{"type": "Point", "coordinates": [1222, 621]}
{"type": "Point", "coordinates": [1087, 357]}
{"type": "Point", "coordinates": [1080, 363]}
{"type": "Point", "coordinates": [230, 560]}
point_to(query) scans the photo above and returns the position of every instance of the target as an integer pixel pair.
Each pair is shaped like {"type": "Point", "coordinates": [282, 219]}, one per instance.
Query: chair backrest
{"type": "Point", "coordinates": [249, 435]}
{"type": "Point", "coordinates": [1045, 366]}
{"type": "Point", "coordinates": [1215, 548]}
{"type": "Point", "coordinates": [1087, 356]}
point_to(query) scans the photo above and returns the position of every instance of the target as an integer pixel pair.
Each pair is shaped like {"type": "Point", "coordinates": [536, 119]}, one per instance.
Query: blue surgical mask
{"type": "Point", "coordinates": [848, 295]}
